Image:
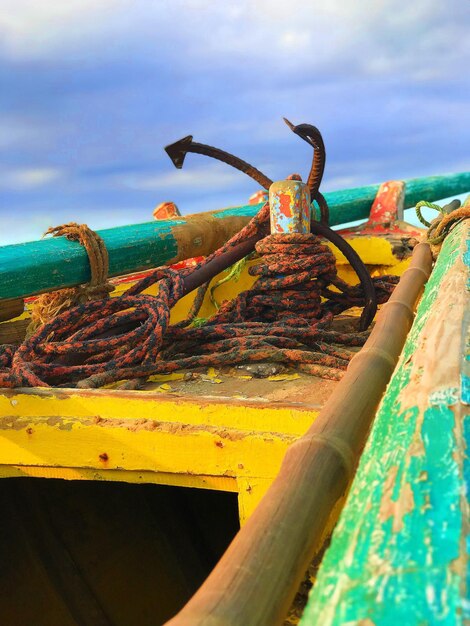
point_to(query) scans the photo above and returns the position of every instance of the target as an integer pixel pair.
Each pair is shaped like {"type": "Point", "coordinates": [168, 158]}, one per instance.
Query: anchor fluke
{"type": "Point", "coordinates": [291, 126]}
{"type": "Point", "coordinates": [177, 151]}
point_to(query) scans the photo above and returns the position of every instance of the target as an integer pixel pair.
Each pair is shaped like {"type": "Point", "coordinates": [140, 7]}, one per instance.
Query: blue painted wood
{"type": "Point", "coordinates": [400, 551]}
{"type": "Point", "coordinates": [38, 266]}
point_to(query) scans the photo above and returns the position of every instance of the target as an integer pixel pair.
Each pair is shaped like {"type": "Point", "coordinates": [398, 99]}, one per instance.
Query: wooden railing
{"type": "Point", "coordinates": [38, 266]}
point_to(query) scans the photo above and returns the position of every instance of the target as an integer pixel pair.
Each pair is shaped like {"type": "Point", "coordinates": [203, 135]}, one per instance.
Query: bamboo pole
{"type": "Point", "coordinates": [255, 581]}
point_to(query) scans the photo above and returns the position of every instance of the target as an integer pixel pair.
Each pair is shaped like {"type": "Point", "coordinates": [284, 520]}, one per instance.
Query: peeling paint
{"type": "Point", "coordinates": [399, 554]}
{"type": "Point", "coordinates": [396, 509]}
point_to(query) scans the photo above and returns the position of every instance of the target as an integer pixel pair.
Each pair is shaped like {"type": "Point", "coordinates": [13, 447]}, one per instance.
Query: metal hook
{"type": "Point", "coordinates": [177, 152]}
{"type": "Point", "coordinates": [370, 295]}
{"type": "Point", "coordinates": [313, 137]}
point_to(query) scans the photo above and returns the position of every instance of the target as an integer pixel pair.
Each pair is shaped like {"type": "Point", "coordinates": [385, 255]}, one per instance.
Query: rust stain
{"type": "Point", "coordinates": [57, 421]}
{"type": "Point", "coordinates": [133, 425]}
{"type": "Point", "coordinates": [219, 444]}
{"type": "Point", "coordinates": [19, 422]}
{"type": "Point", "coordinates": [104, 457]}
{"type": "Point", "coordinates": [11, 423]}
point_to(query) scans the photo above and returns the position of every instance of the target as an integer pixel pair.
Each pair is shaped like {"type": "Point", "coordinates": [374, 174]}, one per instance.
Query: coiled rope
{"type": "Point", "coordinates": [283, 318]}
{"type": "Point", "coordinates": [440, 227]}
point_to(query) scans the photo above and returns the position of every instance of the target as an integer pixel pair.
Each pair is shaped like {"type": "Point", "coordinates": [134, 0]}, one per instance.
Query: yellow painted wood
{"type": "Point", "coordinates": [349, 275]}
{"type": "Point", "coordinates": [216, 483]}
{"type": "Point", "coordinates": [146, 436]}
{"type": "Point", "coordinates": [129, 408]}
{"type": "Point", "coordinates": [372, 250]}
{"type": "Point", "coordinates": [161, 447]}
{"type": "Point", "coordinates": [250, 492]}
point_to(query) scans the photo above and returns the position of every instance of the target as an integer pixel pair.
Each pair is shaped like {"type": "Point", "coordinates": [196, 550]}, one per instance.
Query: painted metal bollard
{"type": "Point", "coordinates": [289, 202]}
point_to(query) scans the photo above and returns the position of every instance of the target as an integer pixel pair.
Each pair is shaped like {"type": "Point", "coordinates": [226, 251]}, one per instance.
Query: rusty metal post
{"type": "Point", "coordinates": [289, 202]}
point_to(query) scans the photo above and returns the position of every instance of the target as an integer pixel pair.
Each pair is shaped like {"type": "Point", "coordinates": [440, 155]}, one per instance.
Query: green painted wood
{"type": "Point", "coordinates": [34, 267]}
{"type": "Point", "coordinates": [399, 553]}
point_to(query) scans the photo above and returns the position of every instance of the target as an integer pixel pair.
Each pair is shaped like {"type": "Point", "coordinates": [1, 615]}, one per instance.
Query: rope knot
{"type": "Point", "coordinates": [440, 227]}
{"type": "Point", "coordinates": [49, 305]}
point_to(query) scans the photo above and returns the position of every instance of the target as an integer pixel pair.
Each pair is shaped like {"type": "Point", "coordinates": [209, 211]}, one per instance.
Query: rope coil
{"type": "Point", "coordinates": [440, 227]}
{"type": "Point", "coordinates": [283, 318]}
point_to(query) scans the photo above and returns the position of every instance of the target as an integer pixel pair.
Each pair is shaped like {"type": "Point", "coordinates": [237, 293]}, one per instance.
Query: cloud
{"type": "Point", "coordinates": [37, 29]}
{"type": "Point", "coordinates": [18, 130]}
{"type": "Point", "coordinates": [422, 39]}
{"type": "Point", "coordinates": [29, 177]}
{"type": "Point", "coordinates": [211, 178]}
{"type": "Point", "coordinates": [92, 90]}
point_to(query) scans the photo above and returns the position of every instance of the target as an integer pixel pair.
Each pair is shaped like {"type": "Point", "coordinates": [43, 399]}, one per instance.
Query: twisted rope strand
{"type": "Point", "coordinates": [283, 318]}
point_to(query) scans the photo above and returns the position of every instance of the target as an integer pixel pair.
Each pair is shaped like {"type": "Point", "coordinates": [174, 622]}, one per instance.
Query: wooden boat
{"type": "Point", "coordinates": [118, 503]}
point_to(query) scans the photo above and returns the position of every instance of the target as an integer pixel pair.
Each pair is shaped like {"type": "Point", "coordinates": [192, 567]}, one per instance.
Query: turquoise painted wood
{"type": "Point", "coordinates": [400, 551]}
{"type": "Point", "coordinates": [34, 267]}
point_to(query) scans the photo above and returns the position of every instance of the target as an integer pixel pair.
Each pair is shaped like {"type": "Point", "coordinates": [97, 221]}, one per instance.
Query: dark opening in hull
{"type": "Point", "coordinates": [94, 553]}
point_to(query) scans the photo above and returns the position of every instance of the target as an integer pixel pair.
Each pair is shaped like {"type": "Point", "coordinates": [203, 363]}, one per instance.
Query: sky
{"type": "Point", "coordinates": [92, 90]}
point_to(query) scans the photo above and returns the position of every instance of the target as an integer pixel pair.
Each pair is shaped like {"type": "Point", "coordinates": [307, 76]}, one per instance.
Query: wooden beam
{"type": "Point", "coordinates": [38, 266]}
{"type": "Point", "coordinates": [9, 309]}
{"type": "Point", "coordinates": [399, 553]}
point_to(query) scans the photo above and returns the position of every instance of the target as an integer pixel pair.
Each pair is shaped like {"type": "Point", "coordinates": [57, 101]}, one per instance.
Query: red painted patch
{"type": "Point", "coordinates": [166, 211]}
{"type": "Point", "coordinates": [258, 196]}
{"type": "Point", "coordinates": [284, 205]}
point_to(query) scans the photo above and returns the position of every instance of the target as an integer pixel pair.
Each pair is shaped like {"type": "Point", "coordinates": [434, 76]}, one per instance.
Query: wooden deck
{"type": "Point", "coordinates": [225, 430]}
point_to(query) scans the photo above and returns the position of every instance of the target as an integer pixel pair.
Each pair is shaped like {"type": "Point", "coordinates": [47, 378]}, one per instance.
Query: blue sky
{"type": "Point", "coordinates": [91, 91]}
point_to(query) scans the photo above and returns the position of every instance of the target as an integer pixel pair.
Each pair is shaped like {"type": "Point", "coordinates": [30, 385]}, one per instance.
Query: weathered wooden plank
{"type": "Point", "coordinates": [400, 550]}
{"type": "Point", "coordinates": [288, 418]}
{"type": "Point", "coordinates": [10, 309]}
{"type": "Point", "coordinates": [13, 332]}
{"type": "Point", "coordinates": [38, 266]}
{"type": "Point", "coordinates": [148, 437]}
